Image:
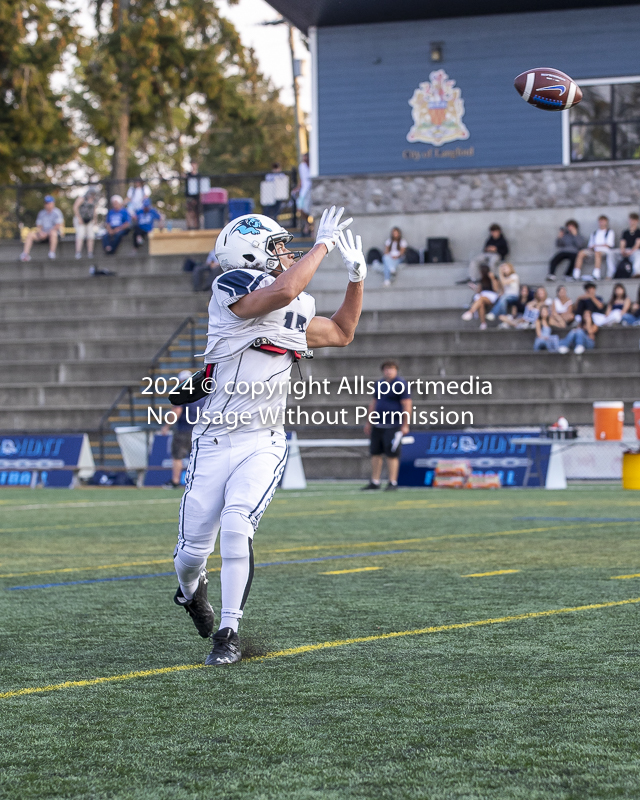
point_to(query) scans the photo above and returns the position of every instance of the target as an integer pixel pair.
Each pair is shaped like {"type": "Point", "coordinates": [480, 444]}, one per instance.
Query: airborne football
{"type": "Point", "coordinates": [548, 89]}
{"type": "Point", "coordinates": [320, 423]}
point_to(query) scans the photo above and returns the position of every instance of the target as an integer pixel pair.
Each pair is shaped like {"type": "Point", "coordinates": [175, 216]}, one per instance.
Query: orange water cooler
{"type": "Point", "coordinates": [636, 417]}
{"type": "Point", "coordinates": [608, 419]}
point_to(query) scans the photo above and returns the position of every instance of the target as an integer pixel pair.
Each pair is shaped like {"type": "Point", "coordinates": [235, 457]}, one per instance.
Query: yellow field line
{"type": "Point", "coordinates": [310, 648]}
{"type": "Point", "coordinates": [485, 574]}
{"type": "Point", "coordinates": [345, 571]}
{"type": "Point", "coordinates": [332, 546]}
{"type": "Point", "coordinates": [625, 577]}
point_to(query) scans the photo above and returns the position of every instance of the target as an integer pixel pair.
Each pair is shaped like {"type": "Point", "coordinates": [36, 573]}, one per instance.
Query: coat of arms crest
{"type": "Point", "coordinates": [437, 113]}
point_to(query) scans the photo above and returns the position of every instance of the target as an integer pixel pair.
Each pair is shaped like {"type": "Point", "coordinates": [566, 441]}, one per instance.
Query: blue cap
{"type": "Point", "coordinates": [146, 203]}
{"type": "Point", "coordinates": [49, 199]}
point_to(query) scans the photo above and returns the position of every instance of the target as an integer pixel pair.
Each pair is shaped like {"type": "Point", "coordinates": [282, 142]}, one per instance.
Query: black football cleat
{"type": "Point", "coordinates": [198, 608]}
{"type": "Point", "coordinates": [225, 650]}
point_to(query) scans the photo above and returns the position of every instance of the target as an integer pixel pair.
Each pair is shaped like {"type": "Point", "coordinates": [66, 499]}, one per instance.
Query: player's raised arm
{"type": "Point", "coordinates": [295, 276]}
{"type": "Point", "coordinates": [340, 329]}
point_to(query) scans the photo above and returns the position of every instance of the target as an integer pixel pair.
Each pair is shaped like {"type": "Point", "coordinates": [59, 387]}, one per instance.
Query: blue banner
{"type": "Point", "coordinates": [160, 456]}
{"type": "Point", "coordinates": [38, 459]}
{"type": "Point", "coordinates": [489, 453]}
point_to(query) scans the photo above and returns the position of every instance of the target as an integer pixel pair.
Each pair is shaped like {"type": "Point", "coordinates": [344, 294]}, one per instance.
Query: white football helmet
{"type": "Point", "coordinates": [249, 242]}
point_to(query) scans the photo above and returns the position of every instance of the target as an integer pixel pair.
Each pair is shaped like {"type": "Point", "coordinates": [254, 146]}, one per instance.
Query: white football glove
{"type": "Point", "coordinates": [352, 256]}
{"type": "Point", "coordinates": [330, 227]}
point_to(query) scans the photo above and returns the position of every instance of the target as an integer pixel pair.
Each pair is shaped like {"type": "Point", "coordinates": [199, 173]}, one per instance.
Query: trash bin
{"type": "Point", "coordinates": [214, 208]}
{"type": "Point", "coordinates": [134, 446]}
{"type": "Point", "coordinates": [239, 206]}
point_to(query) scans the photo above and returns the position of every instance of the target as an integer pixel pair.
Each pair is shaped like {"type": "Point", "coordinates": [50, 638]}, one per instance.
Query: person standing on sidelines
{"type": "Point", "coordinates": [85, 211]}
{"type": "Point", "coordinates": [186, 418]}
{"type": "Point", "coordinates": [260, 322]}
{"type": "Point", "coordinates": [392, 399]}
{"type": "Point", "coordinates": [303, 194]}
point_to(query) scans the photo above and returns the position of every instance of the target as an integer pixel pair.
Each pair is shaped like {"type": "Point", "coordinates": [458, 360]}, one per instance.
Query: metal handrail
{"type": "Point", "coordinates": [103, 425]}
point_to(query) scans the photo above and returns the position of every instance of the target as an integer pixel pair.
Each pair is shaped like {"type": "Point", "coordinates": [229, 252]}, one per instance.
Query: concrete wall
{"type": "Point", "coordinates": [368, 73]}
{"type": "Point", "coordinates": [529, 204]}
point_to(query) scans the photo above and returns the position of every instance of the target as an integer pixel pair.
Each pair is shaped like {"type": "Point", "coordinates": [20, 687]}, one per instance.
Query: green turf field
{"type": "Point", "coordinates": [483, 696]}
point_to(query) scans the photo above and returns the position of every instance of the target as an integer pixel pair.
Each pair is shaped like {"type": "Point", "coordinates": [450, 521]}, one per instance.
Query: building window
{"type": "Point", "coordinates": [605, 126]}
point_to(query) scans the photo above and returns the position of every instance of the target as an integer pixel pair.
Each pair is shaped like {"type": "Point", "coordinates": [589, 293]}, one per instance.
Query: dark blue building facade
{"type": "Point", "coordinates": [368, 74]}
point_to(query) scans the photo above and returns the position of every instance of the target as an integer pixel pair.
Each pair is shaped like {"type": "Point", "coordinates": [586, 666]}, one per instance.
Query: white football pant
{"type": "Point", "coordinates": [230, 481]}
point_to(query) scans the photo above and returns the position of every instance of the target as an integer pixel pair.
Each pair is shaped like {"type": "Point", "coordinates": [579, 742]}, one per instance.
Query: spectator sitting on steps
{"type": "Point", "coordinates": [85, 211]}
{"type": "Point", "coordinates": [601, 245]}
{"type": "Point", "coordinates": [581, 338]}
{"type": "Point", "coordinates": [630, 245]}
{"type": "Point", "coordinates": [545, 338]}
{"type": "Point", "coordinates": [632, 317]}
{"type": "Point", "coordinates": [495, 250]}
{"type": "Point", "coordinates": [589, 301]}
{"type": "Point", "coordinates": [144, 222]}
{"type": "Point", "coordinates": [532, 309]}
{"type": "Point", "coordinates": [48, 228]}
{"type": "Point", "coordinates": [514, 318]}
{"type": "Point", "coordinates": [562, 308]}
{"type": "Point", "coordinates": [569, 244]}
{"type": "Point", "coordinates": [117, 224]}
{"type": "Point", "coordinates": [617, 307]}
{"type": "Point", "coordinates": [509, 288]}
{"type": "Point", "coordinates": [484, 298]}
{"type": "Point", "coordinates": [203, 273]}
{"type": "Point", "coordinates": [394, 250]}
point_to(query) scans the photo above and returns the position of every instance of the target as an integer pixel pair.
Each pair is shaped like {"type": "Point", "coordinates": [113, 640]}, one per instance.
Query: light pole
{"type": "Point", "coordinates": [296, 71]}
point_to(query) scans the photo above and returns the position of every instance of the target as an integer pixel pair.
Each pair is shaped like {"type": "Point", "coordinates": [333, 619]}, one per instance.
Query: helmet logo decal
{"type": "Point", "coordinates": [251, 225]}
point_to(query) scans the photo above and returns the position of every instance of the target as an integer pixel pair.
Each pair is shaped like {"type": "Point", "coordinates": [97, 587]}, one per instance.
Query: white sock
{"type": "Point", "coordinates": [188, 567]}
{"type": "Point", "coordinates": [236, 574]}
{"type": "Point", "coordinates": [376, 483]}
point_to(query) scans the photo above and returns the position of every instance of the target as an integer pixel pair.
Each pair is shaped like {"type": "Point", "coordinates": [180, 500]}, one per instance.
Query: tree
{"type": "Point", "coordinates": [156, 71]}
{"type": "Point", "coordinates": [35, 132]}
{"type": "Point", "coordinates": [248, 146]}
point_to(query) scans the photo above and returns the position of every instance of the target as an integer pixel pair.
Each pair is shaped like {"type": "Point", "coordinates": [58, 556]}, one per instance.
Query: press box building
{"type": "Point", "coordinates": [416, 121]}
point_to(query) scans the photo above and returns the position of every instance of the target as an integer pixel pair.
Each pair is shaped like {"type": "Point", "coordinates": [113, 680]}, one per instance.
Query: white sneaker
{"type": "Point", "coordinates": [579, 349]}
{"type": "Point", "coordinates": [596, 275]}
{"type": "Point", "coordinates": [551, 277]}
{"type": "Point", "coordinates": [576, 274]}
{"type": "Point", "coordinates": [387, 283]}
{"type": "Point", "coordinates": [25, 257]}
{"type": "Point", "coordinates": [52, 255]}
{"type": "Point", "coordinates": [467, 316]}
{"type": "Point", "coordinates": [563, 350]}
{"type": "Point", "coordinates": [78, 255]}
{"type": "Point", "coordinates": [489, 317]}
{"type": "Point", "coordinates": [483, 326]}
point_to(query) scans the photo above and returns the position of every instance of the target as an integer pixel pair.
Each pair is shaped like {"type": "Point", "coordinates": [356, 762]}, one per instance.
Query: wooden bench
{"type": "Point", "coordinates": [179, 242]}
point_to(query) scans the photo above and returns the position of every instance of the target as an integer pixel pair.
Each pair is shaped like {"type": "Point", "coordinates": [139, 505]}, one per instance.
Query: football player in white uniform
{"type": "Point", "coordinates": [260, 318]}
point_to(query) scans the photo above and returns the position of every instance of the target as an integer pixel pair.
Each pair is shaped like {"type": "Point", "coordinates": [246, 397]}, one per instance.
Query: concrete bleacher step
{"type": "Point", "coordinates": [87, 286]}
{"type": "Point", "coordinates": [184, 303]}
{"type": "Point", "coordinates": [55, 351]}
{"type": "Point", "coordinates": [93, 327]}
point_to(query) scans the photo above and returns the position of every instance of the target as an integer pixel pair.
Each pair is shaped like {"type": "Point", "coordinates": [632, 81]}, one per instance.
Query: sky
{"type": "Point", "coordinates": [271, 46]}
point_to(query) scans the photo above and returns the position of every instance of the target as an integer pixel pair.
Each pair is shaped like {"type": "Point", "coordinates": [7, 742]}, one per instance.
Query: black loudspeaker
{"type": "Point", "coordinates": [438, 251]}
